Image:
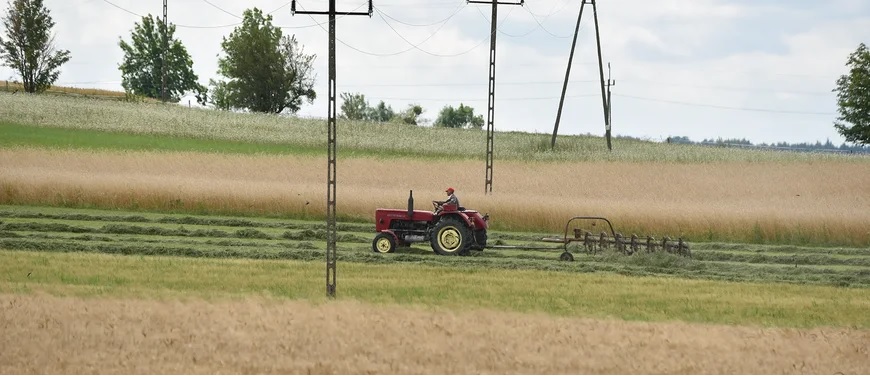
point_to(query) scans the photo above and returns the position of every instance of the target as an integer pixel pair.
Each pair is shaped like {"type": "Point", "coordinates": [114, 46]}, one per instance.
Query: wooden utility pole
{"type": "Point", "coordinates": [332, 144]}
{"type": "Point", "coordinates": [604, 98]}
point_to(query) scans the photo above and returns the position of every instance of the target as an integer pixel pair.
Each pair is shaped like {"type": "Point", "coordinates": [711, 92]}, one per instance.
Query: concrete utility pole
{"type": "Point", "coordinates": [609, 121]}
{"type": "Point", "coordinates": [331, 143]}
{"type": "Point", "coordinates": [604, 98]}
{"type": "Point", "coordinates": [163, 57]}
{"type": "Point", "coordinates": [490, 114]}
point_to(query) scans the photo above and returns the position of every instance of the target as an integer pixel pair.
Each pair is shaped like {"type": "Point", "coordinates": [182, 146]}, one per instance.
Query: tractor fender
{"type": "Point", "coordinates": [393, 234]}
{"type": "Point", "coordinates": [464, 217]}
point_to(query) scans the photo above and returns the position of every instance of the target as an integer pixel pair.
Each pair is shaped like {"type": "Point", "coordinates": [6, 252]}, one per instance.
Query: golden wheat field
{"type": "Point", "coordinates": [822, 202]}
{"type": "Point", "coordinates": [46, 334]}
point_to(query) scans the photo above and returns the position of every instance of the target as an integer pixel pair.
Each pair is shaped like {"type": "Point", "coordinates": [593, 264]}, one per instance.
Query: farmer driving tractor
{"type": "Point", "coordinates": [451, 199]}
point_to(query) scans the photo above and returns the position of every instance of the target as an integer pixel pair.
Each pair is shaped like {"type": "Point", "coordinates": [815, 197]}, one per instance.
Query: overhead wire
{"type": "Point", "coordinates": [417, 46]}
{"type": "Point", "coordinates": [479, 99]}
{"type": "Point", "coordinates": [220, 26]}
{"type": "Point", "coordinates": [455, 84]}
{"type": "Point", "coordinates": [552, 10]}
{"type": "Point", "coordinates": [723, 107]}
{"type": "Point", "coordinates": [420, 25]}
{"type": "Point", "coordinates": [525, 34]}
{"type": "Point", "coordinates": [221, 9]}
{"type": "Point", "coordinates": [727, 88]}
{"type": "Point", "coordinates": [541, 25]}
{"type": "Point", "coordinates": [522, 35]}
{"type": "Point", "coordinates": [413, 46]}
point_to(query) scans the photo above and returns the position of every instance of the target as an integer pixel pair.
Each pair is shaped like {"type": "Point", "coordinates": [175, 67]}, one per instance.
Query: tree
{"type": "Point", "coordinates": [461, 117]}
{"type": "Point", "coordinates": [412, 114]}
{"type": "Point", "coordinates": [29, 45]}
{"type": "Point", "coordinates": [219, 95]}
{"type": "Point", "coordinates": [142, 67]}
{"type": "Point", "coordinates": [853, 98]}
{"type": "Point", "coordinates": [265, 70]}
{"type": "Point", "coordinates": [354, 106]}
{"type": "Point", "coordinates": [381, 113]}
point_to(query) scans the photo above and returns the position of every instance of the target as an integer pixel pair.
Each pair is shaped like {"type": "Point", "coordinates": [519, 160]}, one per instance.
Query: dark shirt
{"type": "Point", "coordinates": [452, 199]}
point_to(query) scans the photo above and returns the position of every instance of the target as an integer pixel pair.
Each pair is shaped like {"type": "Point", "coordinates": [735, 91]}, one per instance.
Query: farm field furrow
{"type": "Point", "coordinates": [81, 230]}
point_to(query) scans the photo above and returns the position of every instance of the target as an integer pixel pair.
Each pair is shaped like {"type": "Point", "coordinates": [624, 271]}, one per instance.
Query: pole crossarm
{"type": "Point", "coordinates": [293, 10]}
{"type": "Point", "coordinates": [332, 145]}
{"type": "Point", "coordinates": [496, 2]}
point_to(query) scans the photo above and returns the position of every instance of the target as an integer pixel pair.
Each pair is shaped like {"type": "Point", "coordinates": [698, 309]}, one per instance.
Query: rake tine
{"type": "Point", "coordinates": [634, 246]}
{"type": "Point", "coordinates": [588, 243]}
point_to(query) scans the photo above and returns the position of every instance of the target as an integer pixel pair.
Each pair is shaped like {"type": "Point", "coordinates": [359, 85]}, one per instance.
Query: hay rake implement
{"type": "Point", "coordinates": [593, 243]}
{"type": "Point", "coordinates": [454, 230]}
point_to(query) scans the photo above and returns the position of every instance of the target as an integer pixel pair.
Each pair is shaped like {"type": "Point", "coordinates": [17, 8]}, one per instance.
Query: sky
{"type": "Point", "coordinates": [761, 70]}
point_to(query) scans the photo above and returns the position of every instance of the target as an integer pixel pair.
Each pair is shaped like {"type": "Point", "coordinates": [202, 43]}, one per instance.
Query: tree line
{"type": "Point", "coordinates": [808, 146]}
{"type": "Point", "coordinates": [262, 70]}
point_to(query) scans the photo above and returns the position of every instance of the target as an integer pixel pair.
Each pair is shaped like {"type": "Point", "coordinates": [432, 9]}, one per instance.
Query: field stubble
{"type": "Point", "coordinates": [62, 335]}
{"type": "Point", "coordinates": [799, 203]}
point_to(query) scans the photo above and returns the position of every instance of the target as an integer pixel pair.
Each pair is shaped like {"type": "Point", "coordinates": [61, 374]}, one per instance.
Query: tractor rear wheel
{"type": "Point", "coordinates": [384, 243]}
{"type": "Point", "coordinates": [451, 237]}
{"type": "Point", "coordinates": [479, 240]}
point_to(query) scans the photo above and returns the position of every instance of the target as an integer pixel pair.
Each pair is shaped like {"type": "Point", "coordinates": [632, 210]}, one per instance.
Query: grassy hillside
{"type": "Point", "coordinates": [122, 119]}
{"type": "Point", "coordinates": [65, 91]}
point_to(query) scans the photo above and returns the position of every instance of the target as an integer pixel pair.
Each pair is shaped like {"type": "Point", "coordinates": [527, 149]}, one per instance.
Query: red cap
{"type": "Point", "coordinates": [449, 190]}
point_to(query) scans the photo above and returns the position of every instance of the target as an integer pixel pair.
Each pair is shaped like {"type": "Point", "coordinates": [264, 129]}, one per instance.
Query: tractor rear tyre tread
{"type": "Point", "coordinates": [451, 237]}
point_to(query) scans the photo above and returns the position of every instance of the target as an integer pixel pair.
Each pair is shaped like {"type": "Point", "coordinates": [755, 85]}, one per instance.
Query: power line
{"type": "Point", "coordinates": [553, 10]}
{"type": "Point", "coordinates": [381, 12]}
{"type": "Point", "coordinates": [539, 27]}
{"type": "Point", "coordinates": [525, 34]}
{"type": "Point", "coordinates": [728, 88]}
{"type": "Point", "coordinates": [442, 84]}
{"type": "Point", "coordinates": [221, 9]}
{"type": "Point", "coordinates": [218, 26]}
{"type": "Point", "coordinates": [408, 49]}
{"type": "Point", "coordinates": [123, 9]}
{"type": "Point", "coordinates": [417, 46]}
{"type": "Point", "coordinates": [725, 107]}
{"type": "Point", "coordinates": [478, 99]}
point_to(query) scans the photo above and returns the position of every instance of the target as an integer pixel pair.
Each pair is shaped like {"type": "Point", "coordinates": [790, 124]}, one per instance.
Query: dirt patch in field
{"type": "Point", "coordinates": [57, 335]}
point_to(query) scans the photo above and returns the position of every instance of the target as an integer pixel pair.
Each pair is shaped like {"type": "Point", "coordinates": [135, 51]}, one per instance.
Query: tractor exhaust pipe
{"type": "Point", "coordinates": [411, 204]}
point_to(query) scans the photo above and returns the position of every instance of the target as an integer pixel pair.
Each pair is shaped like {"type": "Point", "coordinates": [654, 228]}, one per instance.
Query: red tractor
{"type": "Point", "coordinates": [451, 230]}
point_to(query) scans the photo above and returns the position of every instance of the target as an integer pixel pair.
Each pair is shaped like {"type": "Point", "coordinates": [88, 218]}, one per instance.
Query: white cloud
{"type": "Point", "coordinates": [688, 51]}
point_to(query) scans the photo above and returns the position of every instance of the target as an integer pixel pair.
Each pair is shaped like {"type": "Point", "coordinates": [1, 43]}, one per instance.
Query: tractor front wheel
{"type": "Point", "coordinates": [451, 237]}
{"type": "Point", "coordinates": [384, 243]}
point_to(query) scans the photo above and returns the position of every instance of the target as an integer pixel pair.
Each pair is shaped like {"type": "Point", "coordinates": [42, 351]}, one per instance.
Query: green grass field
{"type": "Point", "coordinates": [199, 129]}
{"type": "Point", "coordinates": [599, 295]}
{"type": "Point", "coordinates": [155, 234]}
